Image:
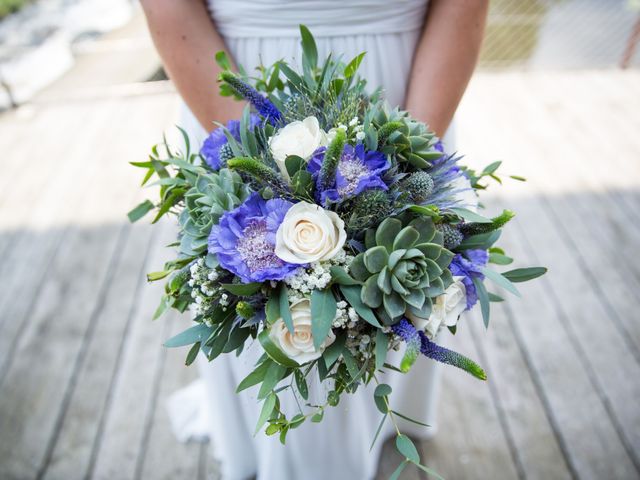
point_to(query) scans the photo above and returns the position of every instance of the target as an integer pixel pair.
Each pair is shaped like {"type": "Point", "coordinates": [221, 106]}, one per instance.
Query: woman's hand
{"type": "Point", "coordinates": [444, 60]}
{"type": "Point", "coordinates": [187, 41]}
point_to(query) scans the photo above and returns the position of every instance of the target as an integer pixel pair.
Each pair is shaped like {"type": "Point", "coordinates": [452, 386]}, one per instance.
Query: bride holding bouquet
{"type": "Point", "coordinates": [422, 55]}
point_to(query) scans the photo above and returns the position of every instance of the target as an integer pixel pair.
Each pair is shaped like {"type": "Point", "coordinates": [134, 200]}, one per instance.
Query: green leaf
{"type": "Point", "coordinates": [376, 258]}
{"type": "Point", "coordinates": [340, 276]}
{"type": "Point", "coordinates": [382, 346]}
{"type": "Point", "coordinates": [222, 60]}
{"type": "Point", "coordinates": [378, 430]}
{"type": "Point", "coordinates": [272, 309]}
{"type": "Point", "coordinates": [490, 169]}
{"type": "Point", "coordinates": [274, 374]}
{"type": "Point", "coordinates": [301, 383]}
{"type": "Point", "coordinates": [483, 298]}
{"type": "Point", "coordinates": [274, 351]}
{"type": "Point", "coordinates": [396, 473]}
{"type": "Point", "coordinates": [254, 377]}
{"type": "Point", "coordinates": [429, 471]}
{"type": "Point", "coordinates": [524, 274]}
{"type": "Point", "coordinates": [267, 409]}
{"type": "Point", "coordinates": [352, 67]}
{"type": "Point", "coordinates": [309, 49]}
{"type": "Point", "coordinates": [193, 353]}
{"type": "Point", "coordinates": [470, 216]}
{"type": "Point", "coordinates": [350, 362]}
{"type": "Point", "coordinates": [140, 211]}
{"type": "Point", "coordinates": [500, 280]}
{"type": "Point", "coordinates": [285, 312]}
{"type": "Point", "coordinates": [379, 396]}
{"type": "Point", "coordinates": [317, 418]}
{"type": "Point", "coordinates": [197, 333]}
{"type": "Point", "coordinates": [153, 276]}
{"type": "Point", "coordinates": [406, 447]}
{"type": "Point", "coordinates": [333, 351]}
{"type": "Point", "coordinates": [409, 419]}
{"type": "Point", "coordinates": [323, 312]}
{"type": "Point", "coordinates": [242, 289]}
{"type": "Point", "coordinates": [352, 295]}
{"type": "Point", "coordinates": [294, 164]}
{"type": "Point", "coordinates": [495, 298]}
{"type": "Point", "coordinates": [427, 210]}
{"type": "Point", "coordinates": [482, 241]}
{"type": "Point", "coordinates": [500, 259]}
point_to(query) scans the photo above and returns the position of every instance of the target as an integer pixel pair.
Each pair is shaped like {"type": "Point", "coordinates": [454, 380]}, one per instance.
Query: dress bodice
{"type": "Point", "coordinates": [325, 18]}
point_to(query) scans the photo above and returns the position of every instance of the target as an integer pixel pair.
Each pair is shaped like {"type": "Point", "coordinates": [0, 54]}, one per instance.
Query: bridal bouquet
{"type": "Point", "coordinates": [329, 228]}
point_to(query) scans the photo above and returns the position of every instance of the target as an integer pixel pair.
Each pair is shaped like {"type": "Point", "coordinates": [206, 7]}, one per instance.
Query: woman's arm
{"type": "Point", "coordinates": [187, 41]}
{"type": "Point", "coordinates": [444, 60]}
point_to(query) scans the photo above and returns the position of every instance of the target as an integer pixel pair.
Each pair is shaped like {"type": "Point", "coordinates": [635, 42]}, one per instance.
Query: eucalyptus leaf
{"type": "Point", "coordinates": [323, 313]}
{"type": "Point", "coordinates": [266, 411]}
{"type": "Point", "coordinates": [500, 280]}
{"type": "Point", "coordinates": [406, 447]}
{"type": "Point", "coordinates": [524, 274]}
{"type": "Point", "coordinates": [352, 295]}
{"type": "Point", "coordinates": [197, 333]}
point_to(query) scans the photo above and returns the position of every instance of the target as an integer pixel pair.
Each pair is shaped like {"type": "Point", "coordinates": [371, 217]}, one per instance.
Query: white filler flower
{"type": "Point", "coordinates": [308, 234]}
{"type": "Point", "coordinates": [299, 345]}
{"type": "Point", "coordinates": [446, 309]}
{"type": "Point", "coordinates": [300, 138]}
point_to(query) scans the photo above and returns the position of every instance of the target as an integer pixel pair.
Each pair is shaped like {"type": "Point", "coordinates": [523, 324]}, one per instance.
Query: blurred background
{"type": "Point", "coordinates": [83, 377]}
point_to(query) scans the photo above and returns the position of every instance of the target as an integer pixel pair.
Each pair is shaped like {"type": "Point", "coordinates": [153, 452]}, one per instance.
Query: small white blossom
{"type": "Point", "coordinates": [360, 136]}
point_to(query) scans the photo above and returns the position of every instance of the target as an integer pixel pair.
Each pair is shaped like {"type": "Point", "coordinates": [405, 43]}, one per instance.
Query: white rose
{"type": "Point", "coordinates": [308, 234]}
{"type": "Point", "coordinates": [300, 138]}
{"type": "Point", "coordinates": [446, 309]}
{"type": "Point", "coordinates": [298, 345]}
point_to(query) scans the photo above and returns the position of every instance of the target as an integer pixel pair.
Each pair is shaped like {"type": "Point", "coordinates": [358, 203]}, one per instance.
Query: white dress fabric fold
{"type": "Point", "coordinates": [338, 448]}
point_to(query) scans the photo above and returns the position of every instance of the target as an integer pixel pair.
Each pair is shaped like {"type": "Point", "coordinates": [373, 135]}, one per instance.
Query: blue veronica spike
{"type": "Point", "coordinates": [263, 105]}
{"type": "Point", "coordinates": [409, 334]}
{"type": "Point", "coordinates": [444, 355]}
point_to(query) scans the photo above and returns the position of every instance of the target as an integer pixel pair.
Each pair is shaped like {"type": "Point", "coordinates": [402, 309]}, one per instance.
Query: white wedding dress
{"type": "Point", "coordinates": [337, 448]}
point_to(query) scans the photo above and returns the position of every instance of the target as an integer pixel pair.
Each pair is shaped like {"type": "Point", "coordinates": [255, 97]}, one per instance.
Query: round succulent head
{"type": "Point", "coordinates": [419, 186]}
{"type": "Point", "coordinates": [212, 195]}
{"type": "Point", "coordinates": [403, 267]}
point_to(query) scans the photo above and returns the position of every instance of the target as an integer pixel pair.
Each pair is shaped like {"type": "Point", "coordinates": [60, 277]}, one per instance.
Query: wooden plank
{"type": "Point", "coordinates": [121, 446]}
{"type": "Point", "coordinates": [72, 450]}
{"type": "Point", "coordinates": [165, 457]}
{"type": "Point", "coordinates": [470, 441]}
{"type": "Point", "coordinates": [584, 449]}
{"type": "Point", "coordinates": [35, 247]}
{"type": "Point", "coordinates": [577, 404]}
{"type": "Point", "coordinates": [517, 397]}
{"type": "Point", "coordinates": [62, 313]}
{"type": "Point", "coordinates": [606, 345]}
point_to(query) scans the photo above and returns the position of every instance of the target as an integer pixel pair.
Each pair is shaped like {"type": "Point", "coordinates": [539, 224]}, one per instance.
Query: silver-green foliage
{"type": "Point", "coordinates": [403, 268]}
{"type": "Point", "coordinates": [212, 195]}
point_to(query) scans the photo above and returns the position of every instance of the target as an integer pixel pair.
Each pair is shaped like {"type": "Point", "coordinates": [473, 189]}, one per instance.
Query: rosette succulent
{"type": "Point", "coordinates": [408, 140]}
{"type": "Point", "coordinates": [212, 195]}
{"type": "Point", "coordinates": [402, 268]}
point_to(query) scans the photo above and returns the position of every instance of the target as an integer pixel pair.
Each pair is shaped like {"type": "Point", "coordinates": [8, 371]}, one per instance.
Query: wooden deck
{"type": "Point", "coordinates": [83, 378]}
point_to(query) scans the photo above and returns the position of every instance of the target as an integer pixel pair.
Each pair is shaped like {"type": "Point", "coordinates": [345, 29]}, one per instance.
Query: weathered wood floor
{"type": "Point", "coordinates": [83, 378]}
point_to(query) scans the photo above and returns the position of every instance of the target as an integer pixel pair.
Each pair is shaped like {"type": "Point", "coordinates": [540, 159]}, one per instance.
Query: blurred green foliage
{"type": "Point", "coordinates": [7, 7]}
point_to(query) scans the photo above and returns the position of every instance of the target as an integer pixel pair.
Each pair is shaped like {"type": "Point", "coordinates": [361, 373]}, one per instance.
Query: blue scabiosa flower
{"type": "Point", "coordinates": [214, 143]}
{"type": "Point", "coordinates": [444, 355]}
{"type": "Point", "coordinates": [405, 330]}
{"type": "Point", "coordinates": [469, 268]}
{"type": "Point", "coordinates": [244, 240]}
{"type": "Point", "coordinates": [357, 171]}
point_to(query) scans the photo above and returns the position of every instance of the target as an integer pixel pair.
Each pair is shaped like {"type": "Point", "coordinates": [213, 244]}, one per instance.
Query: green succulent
{"type": "Point", "coordinates": [212, 195]}
{"type": "Point", "coordinates": [408, 140]}
{"type": "Point", "coordinates": [402, 268]}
